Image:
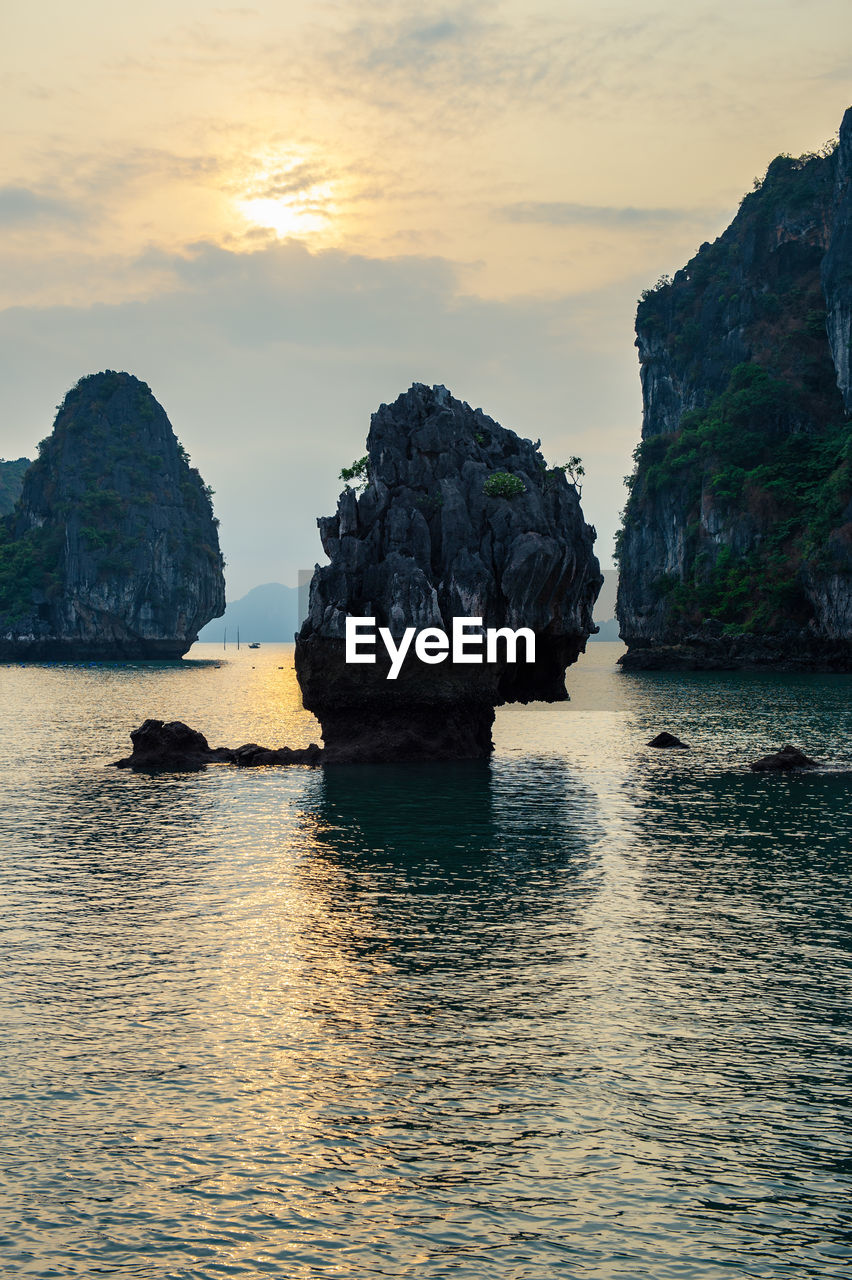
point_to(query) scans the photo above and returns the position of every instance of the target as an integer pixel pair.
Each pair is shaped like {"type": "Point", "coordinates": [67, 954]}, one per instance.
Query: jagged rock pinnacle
{"type": "Point", "coordinates": [460, 517]}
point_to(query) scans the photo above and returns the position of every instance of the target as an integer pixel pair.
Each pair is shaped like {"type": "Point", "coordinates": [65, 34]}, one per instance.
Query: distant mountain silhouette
{"type": "Point", "coordinates": [267, 613]}
{"type": "Point", "coordinates": [605, 607]}
{"type": "Point", "coordinates": [608, 630]}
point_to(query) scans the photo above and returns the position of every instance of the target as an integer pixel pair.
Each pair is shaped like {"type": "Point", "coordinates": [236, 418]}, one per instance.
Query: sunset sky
{"type": "Point", "coordinates": [281, 215]}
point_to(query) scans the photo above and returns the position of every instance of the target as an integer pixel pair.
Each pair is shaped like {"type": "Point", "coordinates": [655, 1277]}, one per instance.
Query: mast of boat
{"type": "Point", "coordinates": [225, 641]}
{"type": "Point", "coordinates": [238, 637]}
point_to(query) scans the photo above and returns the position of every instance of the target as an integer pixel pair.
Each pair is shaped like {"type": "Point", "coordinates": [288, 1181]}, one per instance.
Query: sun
{"type": "Point", "coordinates": [290, 195]}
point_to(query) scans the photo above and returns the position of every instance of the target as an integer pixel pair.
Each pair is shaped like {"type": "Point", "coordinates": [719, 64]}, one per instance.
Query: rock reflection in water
{"type": "Point", "coordinates": [463, 809]}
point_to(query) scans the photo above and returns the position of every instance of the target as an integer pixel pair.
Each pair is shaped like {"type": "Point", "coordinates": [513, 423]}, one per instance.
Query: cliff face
{"type": "Point", "coordinates": [430, 539]}
{"type": "Point", "coordinates": [11, 482]}
{"type": "Point", "coordinates": [736, 546]}
{"type": "Point", "coordinates": [112, 550]}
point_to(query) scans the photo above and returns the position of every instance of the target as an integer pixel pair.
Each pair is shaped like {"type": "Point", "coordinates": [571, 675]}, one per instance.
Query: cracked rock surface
{"type": "Point", "coordinates": [424, 543]}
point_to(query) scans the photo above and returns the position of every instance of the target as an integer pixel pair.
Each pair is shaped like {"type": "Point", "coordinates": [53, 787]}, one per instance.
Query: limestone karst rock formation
{"type": "Point", "coordinates": [430, 539]}
{"type": "Point", "coordinates": [112, 549]}
{"type": "Point", "coordinates": [736, 548]}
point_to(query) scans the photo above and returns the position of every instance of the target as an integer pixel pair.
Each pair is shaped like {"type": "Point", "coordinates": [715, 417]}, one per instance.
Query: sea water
{"type": "Point", "coordinates": [579, 1011]}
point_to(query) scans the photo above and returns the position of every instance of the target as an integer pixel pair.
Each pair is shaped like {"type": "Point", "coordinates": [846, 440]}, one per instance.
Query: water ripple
{"type": "Point", "coordinates": [582, 1011]}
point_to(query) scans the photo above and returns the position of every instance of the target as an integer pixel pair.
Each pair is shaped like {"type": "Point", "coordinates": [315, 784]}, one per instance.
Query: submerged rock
{"type": "Point", "coordinates": [459, 518]}
{"type": "Point", "coordinates": [251, 754]}
{"type": "Point", "coordinates": [667, 740]}
{"type": "Point", "coordinates": [787, 758]}
{"type": "Point", "coordinates": [112, 549]}
{"type": "Point", "coordinates": [160, 747]}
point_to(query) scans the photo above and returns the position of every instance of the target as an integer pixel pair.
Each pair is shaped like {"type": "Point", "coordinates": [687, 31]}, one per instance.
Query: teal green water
{"type": "Point", "coordinates": [582, 1011]}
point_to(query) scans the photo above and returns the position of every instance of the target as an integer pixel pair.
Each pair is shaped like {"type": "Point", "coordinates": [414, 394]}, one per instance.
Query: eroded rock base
{"type": "Point", "coordinates": [765, 653]}
{"type": "Point", "coordinates": [55, 650]}
{"type": "Point", "coordinates": [459, 732]}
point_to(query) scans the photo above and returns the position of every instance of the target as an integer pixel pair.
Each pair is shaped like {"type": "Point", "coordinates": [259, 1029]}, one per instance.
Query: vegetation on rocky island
{"type": "Point", "coordinates": [739, 503]}
{"type": "Point", "coordinates": [356, 477]}
{"type": "Point", "coordinates": [92, 493]}
{"type": "Point", "coordinates": [11, 480]}
{"type": "Point", "coordinates": [744, 455]}
{"type": "Point", "coordinates": [502, 484]}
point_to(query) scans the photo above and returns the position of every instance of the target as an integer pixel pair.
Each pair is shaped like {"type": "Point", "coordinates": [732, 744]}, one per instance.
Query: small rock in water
{"type": "Point", "coordinates": [171, 746]}
{"type": "Point", "coordinates": [787, 758]}
{"type": "Point", "coordinates": [667, 740]}
{"type": "Point", "coordinates": [174, 747]}
{"type": "Point", "coordinates": [251, 754]}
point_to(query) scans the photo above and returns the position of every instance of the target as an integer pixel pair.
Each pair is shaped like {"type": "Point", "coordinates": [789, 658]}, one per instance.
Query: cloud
{"type": "Point", "coordinates": [21, 205]}
{"type": "Point", "coordinates": [557, 213]}
{"type": "Point", "coordinates": [442, 65]}
{"type": "Point", "coordinates": [443, 60]}
{"type": "Point", "coordinates": [269, 365]}
{"type": "Point", "coordinates": [289, 182]}
{"type": "Point", "coordinates": [412, 44]}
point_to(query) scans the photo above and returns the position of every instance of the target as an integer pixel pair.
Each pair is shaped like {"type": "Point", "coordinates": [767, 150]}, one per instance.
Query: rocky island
{"type": "Point", "coordinates": [173, 747]}
{"type": "Point", "coordinates": [457, 517]}
{"type": "Point", "coordinates": [111, 550]}
{"type": "Point", "coordinates": [736, 545]}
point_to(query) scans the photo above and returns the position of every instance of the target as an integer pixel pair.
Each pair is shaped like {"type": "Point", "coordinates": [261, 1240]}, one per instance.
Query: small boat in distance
{"type": "Point", "coordinates": [254, 645]}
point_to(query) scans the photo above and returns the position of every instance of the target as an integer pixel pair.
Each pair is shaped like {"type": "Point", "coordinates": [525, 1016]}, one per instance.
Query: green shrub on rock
{"type": "Point", "coordinates": [502, 484]}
